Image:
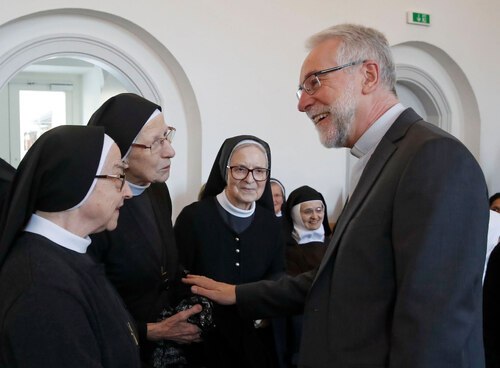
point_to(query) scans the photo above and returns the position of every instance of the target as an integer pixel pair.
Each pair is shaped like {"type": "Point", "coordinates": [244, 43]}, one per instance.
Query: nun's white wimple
{"type": "Point", "coordinates": [108, 142]}
{"type": "Point", "coordinates": [300, 233]}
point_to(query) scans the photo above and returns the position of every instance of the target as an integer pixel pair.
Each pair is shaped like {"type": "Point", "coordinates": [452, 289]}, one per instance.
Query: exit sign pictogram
{"type": "Point", "coordinates": [421, 19]}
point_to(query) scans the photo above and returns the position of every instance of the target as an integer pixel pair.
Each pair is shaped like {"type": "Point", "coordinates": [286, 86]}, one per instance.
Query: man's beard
{"type": "Point", "coordinates": [341, 115]}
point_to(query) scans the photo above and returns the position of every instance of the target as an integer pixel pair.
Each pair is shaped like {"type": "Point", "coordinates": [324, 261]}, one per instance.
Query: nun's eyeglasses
{"type": "Point", "coordinates": [241, 172]}
{"type": "Point", "coordinates": [120, 177]}
{"type": "Point", "coordinates": [312, 83]}
{"type": "Point", "coordinates": [159, 143]}
{"type": "Point", "coordinates": [310, 211]}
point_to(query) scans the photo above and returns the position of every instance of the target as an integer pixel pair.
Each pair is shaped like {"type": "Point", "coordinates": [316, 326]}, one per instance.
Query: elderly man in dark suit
{"type": "Point", "coordinates": [400, 283]}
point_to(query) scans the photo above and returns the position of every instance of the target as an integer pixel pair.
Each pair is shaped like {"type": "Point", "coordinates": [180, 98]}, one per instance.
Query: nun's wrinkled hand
{"type": "Point", "coordinates": [176, 328]}
{"type": "Point", "coordinates": [217, 291]}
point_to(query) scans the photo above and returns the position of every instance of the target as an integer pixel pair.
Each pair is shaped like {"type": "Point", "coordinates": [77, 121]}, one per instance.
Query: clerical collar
{"type": "Point", "coordinates": [233, 210]}
{"type": "Point", "coordinates": [64, 238]}
{"type": "Point", "coordinates": [137, 189]}
{"type": "Point", "coordinates": [373, 135]}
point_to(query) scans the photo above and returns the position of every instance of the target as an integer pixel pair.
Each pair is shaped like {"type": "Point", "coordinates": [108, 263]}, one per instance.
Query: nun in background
{"type": "Point", "coordinates": [491, 287]}
{"type": "Point", "coordinates": [140, 256]}
{"type": "Point", "coordinates": [57, 309]}
{"type": "Point", "coordinates": [279, 196]}
{"type": "Point", "coordinates": [233, 235]}
{"type": "Point", "coordinates": [308, 237]}
{"type": "Point", "coordinates": [279, 324]}
{"type": "Point", "coordinates": [309, 230]}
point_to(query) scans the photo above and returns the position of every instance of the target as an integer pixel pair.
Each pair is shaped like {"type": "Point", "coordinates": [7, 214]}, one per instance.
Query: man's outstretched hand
{"type": "Point", "coordinates": [219, 292]}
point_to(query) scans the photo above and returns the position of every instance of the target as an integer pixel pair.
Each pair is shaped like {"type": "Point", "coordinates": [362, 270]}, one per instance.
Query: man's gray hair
{"type": "Point", "coordinates": [360, 43]}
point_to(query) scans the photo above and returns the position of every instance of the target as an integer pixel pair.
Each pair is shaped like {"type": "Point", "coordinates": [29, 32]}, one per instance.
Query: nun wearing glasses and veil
{"type": "Point", "coordinates": [57, 308]}
{"type": "Point", "coordinates": [140, 255]}
{"type": "Point", "coordinates": [232, 234]}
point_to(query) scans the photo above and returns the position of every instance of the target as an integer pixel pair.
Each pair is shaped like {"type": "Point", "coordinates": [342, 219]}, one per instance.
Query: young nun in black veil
{"type": "Point", "coordinates": [57, 309]}
{"type": "Point", "coordinates": [233, 235]}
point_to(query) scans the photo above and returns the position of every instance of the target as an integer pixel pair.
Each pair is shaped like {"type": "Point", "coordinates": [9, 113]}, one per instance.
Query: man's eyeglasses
{"type": "Point", "coordinates": [120, 177]}
{"type": "Point", "coordinates": [157, 145]}
{"type": "Point", "coordinates": [312, 83]}
{"type": "Point", "coordinates": [241, 172]}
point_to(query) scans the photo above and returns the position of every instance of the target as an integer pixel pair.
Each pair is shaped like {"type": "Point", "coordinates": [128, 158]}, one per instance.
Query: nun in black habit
{"type": "Point", "coordinates": [57, 308]}
{"type": "Point", "coordinates": [232, 235]}
{"type": "Point", "coordinates": [140, 256]}
{"type": "Point", "coordinates": [306, 240]}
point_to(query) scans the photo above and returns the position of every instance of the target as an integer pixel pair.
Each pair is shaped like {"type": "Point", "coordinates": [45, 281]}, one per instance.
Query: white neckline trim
{"type": "Point", "coordinates": [137, 189]}
{"type": "Point", "coordinates": [233, 210]}
{"type": "Point", "coordinates": [64, 238]}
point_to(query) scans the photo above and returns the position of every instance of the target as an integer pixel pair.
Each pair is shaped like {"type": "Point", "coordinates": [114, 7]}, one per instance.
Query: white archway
{"type": "Point", "coordinates": [442, 89]}
{"type": "Point", "coordinates": [429, 81]}
{"type": "Point", "coordinates": [127, 49]}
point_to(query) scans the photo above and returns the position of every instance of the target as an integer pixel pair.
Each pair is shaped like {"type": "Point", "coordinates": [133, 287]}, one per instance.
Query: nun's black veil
{"type": "Point", "coordinates": [304, 194]}
{"type": "Point", "coordinates": [6, 174]}
{"type": "Point", "coordinates": [123, 117]}
{"type": "Point", "coordinates": [6, 171]}
{"type": "Point", "coordinates": [217, 180]}
{"type": "Point", "coordinates": [55, 175]}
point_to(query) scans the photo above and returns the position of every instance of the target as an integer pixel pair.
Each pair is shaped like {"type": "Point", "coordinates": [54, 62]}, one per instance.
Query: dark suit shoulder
{"type": "Point", "coordinates": [409, 122]}
{"type": "Point", "coordinates": [435, 141]}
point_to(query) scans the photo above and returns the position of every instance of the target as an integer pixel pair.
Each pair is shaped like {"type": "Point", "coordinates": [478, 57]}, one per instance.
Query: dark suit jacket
{"type": "Point", "coordinates": [400, 283]}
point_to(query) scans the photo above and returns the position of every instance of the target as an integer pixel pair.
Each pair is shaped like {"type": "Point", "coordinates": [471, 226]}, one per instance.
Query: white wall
{"type": "Point", "coordinates": [243, 58]}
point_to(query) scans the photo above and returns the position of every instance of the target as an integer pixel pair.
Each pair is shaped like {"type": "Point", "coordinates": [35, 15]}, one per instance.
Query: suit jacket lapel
{"type": "Point", "coordinates": [380, 156]}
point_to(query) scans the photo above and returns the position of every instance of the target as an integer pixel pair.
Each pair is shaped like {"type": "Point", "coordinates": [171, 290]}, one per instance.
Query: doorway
{"type": "Point", "coordinates": [119, 47]}
{"type": "Point", "coordinates": [432, 83]}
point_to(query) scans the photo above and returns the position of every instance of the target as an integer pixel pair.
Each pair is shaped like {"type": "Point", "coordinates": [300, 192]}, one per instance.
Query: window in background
{"type": "Point", "coordinates": [52, 92]}
{"type": "Point", "coordinates": [39, 111]}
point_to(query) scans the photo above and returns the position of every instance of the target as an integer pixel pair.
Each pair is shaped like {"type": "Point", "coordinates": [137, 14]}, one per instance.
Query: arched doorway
{"type": "Point", "coordinates": [429, 80]}
{"type": "Point", "coordinates": [432, 83]}
{"type": "Point", "coordinates": [142, 62]}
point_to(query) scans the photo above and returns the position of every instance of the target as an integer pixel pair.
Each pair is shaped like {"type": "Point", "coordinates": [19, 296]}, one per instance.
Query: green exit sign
{"type": "Point", "coordinates": [418, 18]}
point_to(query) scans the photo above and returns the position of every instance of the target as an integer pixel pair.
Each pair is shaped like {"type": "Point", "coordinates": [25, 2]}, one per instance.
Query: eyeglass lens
{"type": "Point", "coordinates": [169, 136]}
{"type": "Point", "coordinates": [310, 211]}
{"type": "Point", "coordinates": [120, 177]}
{"type": "Point", "coordinates": [312, 83]}
{"type": "Point", "coordinates": [241, 172]}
